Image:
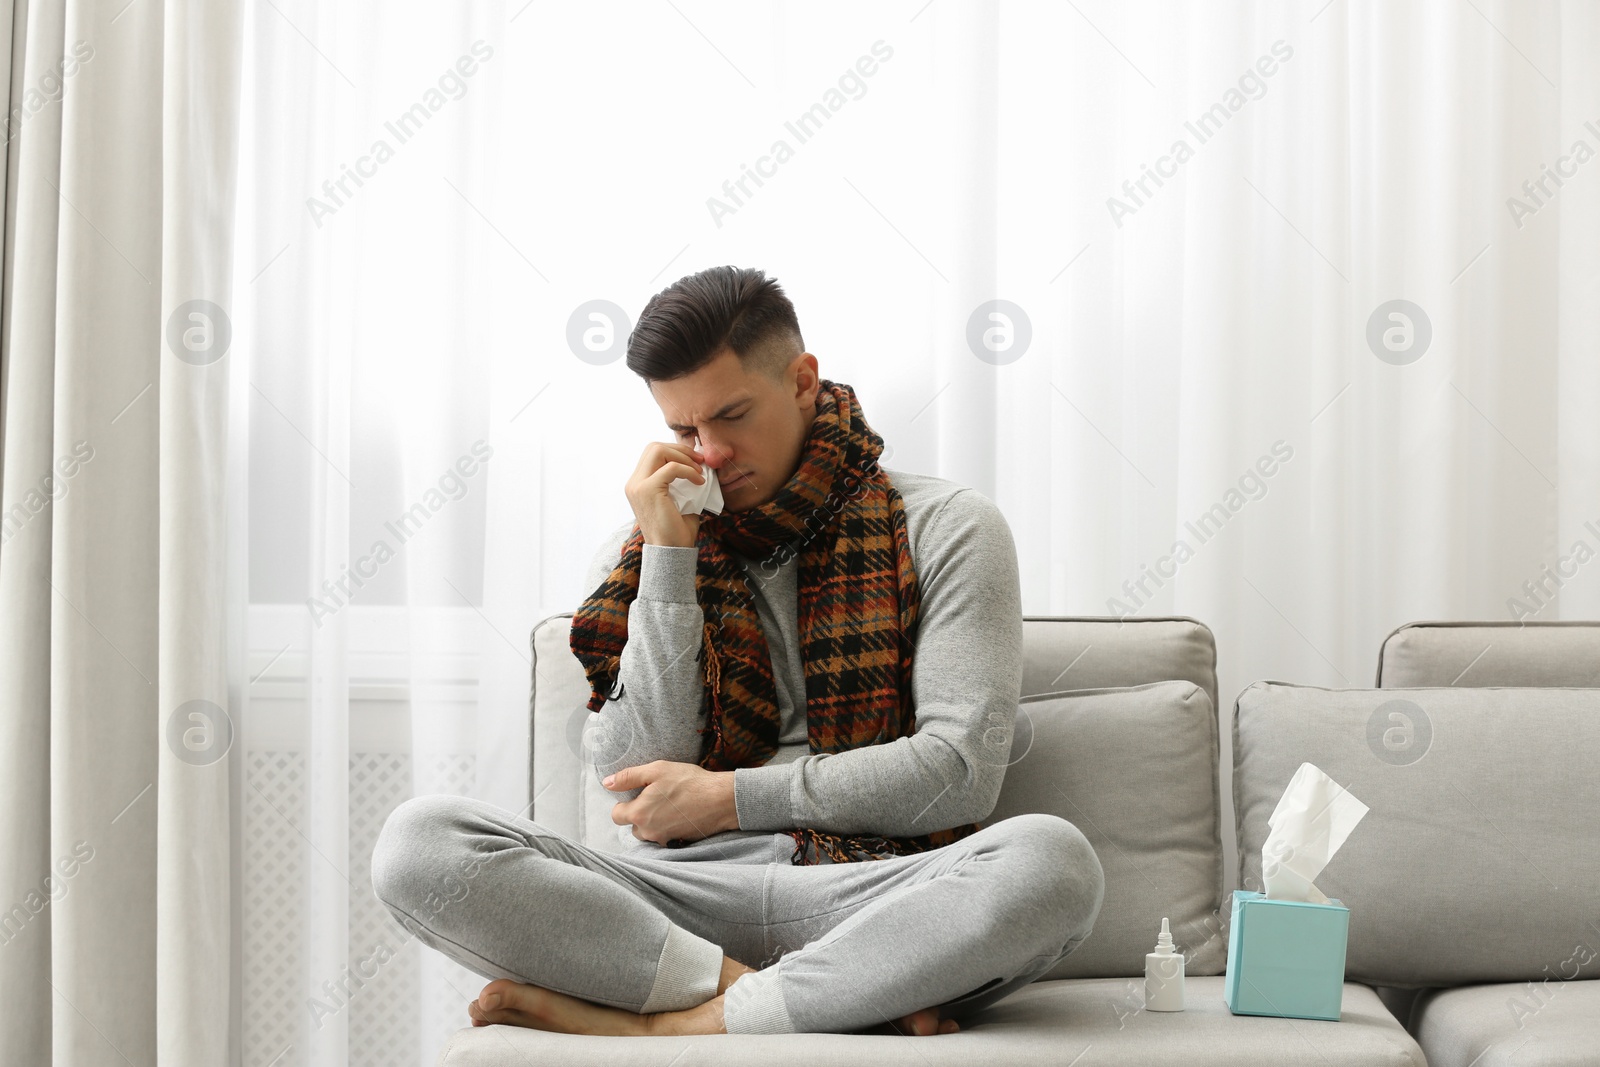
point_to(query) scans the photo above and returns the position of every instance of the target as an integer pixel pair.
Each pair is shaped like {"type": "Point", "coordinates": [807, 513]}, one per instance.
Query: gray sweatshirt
{"type": "Point", "coordinates": [966, 682]}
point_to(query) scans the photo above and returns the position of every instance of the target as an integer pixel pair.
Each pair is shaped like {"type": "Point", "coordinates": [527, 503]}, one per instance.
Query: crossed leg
{"type": "Point", "coordinates": [585, 941]}
{"type": "Point", "coordinates": [516, 1004]}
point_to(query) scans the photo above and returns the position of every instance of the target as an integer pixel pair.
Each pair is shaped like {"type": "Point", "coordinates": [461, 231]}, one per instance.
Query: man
{"type": "Point", "coordinates": [807, 703]}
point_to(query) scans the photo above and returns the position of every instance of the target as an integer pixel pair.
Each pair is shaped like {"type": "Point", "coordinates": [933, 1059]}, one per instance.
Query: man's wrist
{"type": "Point", "coordinates": [762, 796]}
{"type": "Point", "coordinates": [730, 811]}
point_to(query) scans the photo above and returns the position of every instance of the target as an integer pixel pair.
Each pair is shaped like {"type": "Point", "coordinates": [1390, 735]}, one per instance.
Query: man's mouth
{"type": "Point", "coordinates": [735, 482]}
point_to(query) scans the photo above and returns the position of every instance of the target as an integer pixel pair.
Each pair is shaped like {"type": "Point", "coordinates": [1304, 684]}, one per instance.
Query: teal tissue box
{"type": "Point", "coordinates": [1286, 957]}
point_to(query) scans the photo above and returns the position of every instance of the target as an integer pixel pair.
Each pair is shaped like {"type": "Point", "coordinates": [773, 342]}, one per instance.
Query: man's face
{"type": "Point", "coordinates": [751, 428]}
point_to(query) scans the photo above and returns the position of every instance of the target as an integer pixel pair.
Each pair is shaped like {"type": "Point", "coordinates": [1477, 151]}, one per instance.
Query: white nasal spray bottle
{"type": "Point", "coordinates": [1163, 974]}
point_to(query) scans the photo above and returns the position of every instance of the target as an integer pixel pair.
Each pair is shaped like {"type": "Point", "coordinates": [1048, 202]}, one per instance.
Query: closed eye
{"type": "Point", "coordinates": [725, 418]}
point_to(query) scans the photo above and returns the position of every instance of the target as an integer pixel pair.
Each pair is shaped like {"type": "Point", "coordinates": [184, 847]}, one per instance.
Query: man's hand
{"type": "Point", "coordinates": [680, 801]}
{"type": "Point", "coordinates": [660, 465]}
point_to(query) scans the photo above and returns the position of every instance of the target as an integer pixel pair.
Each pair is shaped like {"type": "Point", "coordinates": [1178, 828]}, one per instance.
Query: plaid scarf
{"type": "Point", "coordinates": [858, 611]}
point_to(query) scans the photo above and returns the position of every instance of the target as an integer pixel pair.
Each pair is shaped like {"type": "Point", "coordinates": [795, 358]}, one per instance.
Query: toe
{"type": "Point", "coordinates": [496, 994]}
{"type": "Point", "coordinates": [499, 1002]}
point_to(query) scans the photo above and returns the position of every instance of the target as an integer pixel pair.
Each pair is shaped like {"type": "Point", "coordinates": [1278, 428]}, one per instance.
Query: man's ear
{"type": "Point", "coordinates": [806, 380]}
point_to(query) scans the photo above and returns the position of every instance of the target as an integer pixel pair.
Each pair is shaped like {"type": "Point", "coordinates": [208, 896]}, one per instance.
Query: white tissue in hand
{"type": "Point", "coordinates": [693, 499]}
{"type": "Point", "coordinates": [1308, 826]}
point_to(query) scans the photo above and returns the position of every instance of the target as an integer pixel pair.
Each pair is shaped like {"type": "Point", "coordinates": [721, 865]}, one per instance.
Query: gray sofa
{"type": "Point", "coordinates": [1118, 733]}
{"type": "Point", "coordinates": [1550, 1015]}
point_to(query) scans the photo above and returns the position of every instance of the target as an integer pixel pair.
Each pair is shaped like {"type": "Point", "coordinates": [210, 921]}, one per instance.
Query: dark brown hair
{"type": "Point", "coordinates": [697, 316]}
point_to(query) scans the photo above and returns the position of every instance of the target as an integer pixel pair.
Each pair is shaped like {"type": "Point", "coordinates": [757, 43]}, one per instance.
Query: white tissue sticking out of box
{"type": "Point", "coordinates": [692, 499]}
{"type": "Point", "coordinates": [1310, 824]}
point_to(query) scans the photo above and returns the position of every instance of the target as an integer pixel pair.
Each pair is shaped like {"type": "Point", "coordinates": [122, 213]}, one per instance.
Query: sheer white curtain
{"type": "Point", "coordinates": [1199, 396]}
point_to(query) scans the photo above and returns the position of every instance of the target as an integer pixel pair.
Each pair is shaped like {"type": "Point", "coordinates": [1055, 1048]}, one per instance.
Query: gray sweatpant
{"type": "Point", "coordinates": [838, 947]}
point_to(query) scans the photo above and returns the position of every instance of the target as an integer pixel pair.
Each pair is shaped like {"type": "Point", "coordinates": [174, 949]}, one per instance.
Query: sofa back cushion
{"type": "Point", "coordinates": [1491, 653]}
{"type": "Point", "coordinates": [1479, 859]}
{"type": "Point", "coordinates": [566, 792]}
{"type": "Point", "coordinates": [1062, 653]}
{"type": "Point", "coordinates": [1134, 768]}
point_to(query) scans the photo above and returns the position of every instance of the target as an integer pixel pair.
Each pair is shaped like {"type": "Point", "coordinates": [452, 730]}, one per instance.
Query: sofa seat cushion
{"type": "Point", "coordinates": [1097, 1021]}
{"type": "Point", "coordinates": [1551, 1023]}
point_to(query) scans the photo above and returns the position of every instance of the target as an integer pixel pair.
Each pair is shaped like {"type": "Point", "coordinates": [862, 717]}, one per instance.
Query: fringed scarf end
{"type": "Point", "coordinates": [713, 667]}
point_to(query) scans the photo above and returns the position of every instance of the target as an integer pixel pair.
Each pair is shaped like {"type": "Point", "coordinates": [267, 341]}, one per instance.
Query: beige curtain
{"type": "Point", "coordinates": [116, 562]}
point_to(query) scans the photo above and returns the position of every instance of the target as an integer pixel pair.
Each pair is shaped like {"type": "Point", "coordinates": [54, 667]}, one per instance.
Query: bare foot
{"type": "Point", "coordinates": [732, 971]}
{"type": "Point", "coordinates": [515, 1004]}
{"type": "Point", "coordinates": [926, 1021]}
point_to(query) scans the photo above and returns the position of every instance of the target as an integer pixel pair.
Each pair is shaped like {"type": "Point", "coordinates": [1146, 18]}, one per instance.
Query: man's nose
{"type": "Point", "coordinates": [715, 455]}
